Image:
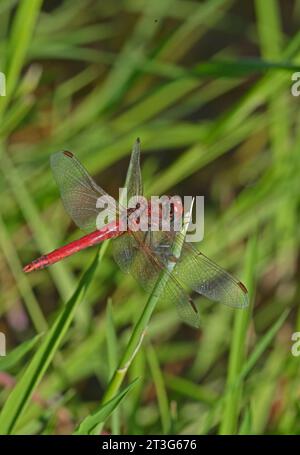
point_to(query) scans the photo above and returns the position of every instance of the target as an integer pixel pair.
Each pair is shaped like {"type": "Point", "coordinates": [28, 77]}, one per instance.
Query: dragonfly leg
{"type": "Point", "coordinates": [193, 305]}
{"type": "Point", "coordinates": [166, 251]}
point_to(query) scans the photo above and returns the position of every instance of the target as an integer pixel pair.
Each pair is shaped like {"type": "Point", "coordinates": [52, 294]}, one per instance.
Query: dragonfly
{"type": "Point", "coordinates": [143, 254]}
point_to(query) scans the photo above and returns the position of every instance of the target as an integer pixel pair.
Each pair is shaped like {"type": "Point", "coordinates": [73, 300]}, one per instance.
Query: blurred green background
{"type": "Point", "coordinates": [206, 85]}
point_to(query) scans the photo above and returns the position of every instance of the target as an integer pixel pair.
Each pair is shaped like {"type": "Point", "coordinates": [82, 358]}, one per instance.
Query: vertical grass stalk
{"type": "Point", "coordinates": [230, 415]}
{"type": "Point", "coordinates": [140, 328]}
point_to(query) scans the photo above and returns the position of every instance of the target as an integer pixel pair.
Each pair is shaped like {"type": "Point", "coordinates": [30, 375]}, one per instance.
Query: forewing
{"type": "Point", "coordinates": [78, 190]}
{"type": "Point", "coordinates": [133, 181]}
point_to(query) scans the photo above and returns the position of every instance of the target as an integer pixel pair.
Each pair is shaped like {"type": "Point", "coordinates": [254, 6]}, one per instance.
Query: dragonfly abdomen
{"type": "Point", "coordinates": [109, 231]}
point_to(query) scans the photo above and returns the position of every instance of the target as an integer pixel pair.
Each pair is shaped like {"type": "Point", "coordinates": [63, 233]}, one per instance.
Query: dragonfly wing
{"type": "Point", "coordinates": [134, 254]}
{"type": "Point", "coordinates": [200, 274]}
{"type": "Point", "coordinates": [124, 251]}
{"type": "Point", "coordinates": [78, 190]}
{"type": "Point", "coordinates": [186, 308]}
{"type": "Point", "coordinates": [133, 182]}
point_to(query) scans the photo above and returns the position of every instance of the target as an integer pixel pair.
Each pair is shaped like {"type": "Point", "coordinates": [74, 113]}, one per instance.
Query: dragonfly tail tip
{"type": "Point", "coordinates": [37, 264]}
{"type": "Point", "coordinates": [28, 268]}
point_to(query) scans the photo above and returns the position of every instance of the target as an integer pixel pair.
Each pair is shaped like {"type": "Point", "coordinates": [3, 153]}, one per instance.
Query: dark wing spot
{"type": "Point", "coordinates": [243, 287]}
{"type": "Point", "coordinates": [193, 305]}
{"type": "Point", "coordinates": [69, 154]}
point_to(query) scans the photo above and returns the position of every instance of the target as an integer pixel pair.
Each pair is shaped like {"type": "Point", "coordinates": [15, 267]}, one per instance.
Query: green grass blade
{"type": "Point", "coordinates": [246, 424]}
{"type": "Point", "coordinates": [140, 327]}
{"type": "Point", "coordinates": [21, 34]}
{"type": "Point", "coordinates": [112, 350]}
{"type": "Point", "coordinates": [257, 352]}
{"type": "Point", "coordinates": [191, 390]}
{"type": "Point", "coordinates": [281, 125]}
{"type": "Point", "coordinates": [94, 420]}
{"type": "Point", "coordinates": [161, 392]}
{"type": "Point", "coordinates": [36, 315]}
{"type": "Point", "coordinates": [43, 235]}
{"type": "Point", "coordinates": [262, 345]}
{"type": "Point", "coordinates": [19, 397]}
{"type": "Point", "coordinates": [124, 68]}
{"type": "Point", "coordinates": [11, 359]}
{"type": "Point", "coordinates": [238, 347]}
{"type": "Point", "coordinates": [241, 67]}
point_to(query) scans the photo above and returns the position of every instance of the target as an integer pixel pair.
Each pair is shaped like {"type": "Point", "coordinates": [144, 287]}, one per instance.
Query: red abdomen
{"type": "Point", "coordinates": [109, 231]}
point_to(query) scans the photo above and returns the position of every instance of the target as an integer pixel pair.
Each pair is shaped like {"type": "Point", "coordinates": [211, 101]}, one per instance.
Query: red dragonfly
{"type": "Point", "coordinates": [143, 254]}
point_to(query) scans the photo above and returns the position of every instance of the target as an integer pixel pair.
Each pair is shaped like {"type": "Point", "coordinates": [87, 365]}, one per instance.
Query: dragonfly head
{"type": "Point", "coordinates": [176, 209]}
{"type": "Point", "coordinates": [169, 208]}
